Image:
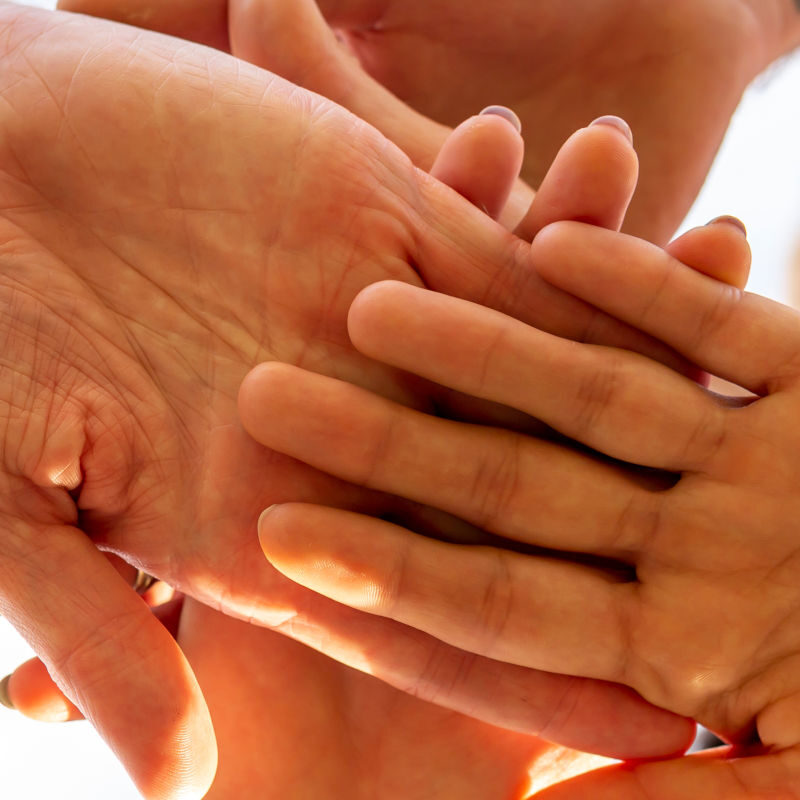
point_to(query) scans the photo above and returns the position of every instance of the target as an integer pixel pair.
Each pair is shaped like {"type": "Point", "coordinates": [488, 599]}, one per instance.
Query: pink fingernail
{"type": "Point", "coordinates": [729, 219]}
{"type": "Point", "coordinates": [615, 122]}
{"type": "Point", "coordinates": [506, 113]}
{"type": "Point", "coordinates": [5, 699]}
{"type": "Point", "coordinates": [264, 515]}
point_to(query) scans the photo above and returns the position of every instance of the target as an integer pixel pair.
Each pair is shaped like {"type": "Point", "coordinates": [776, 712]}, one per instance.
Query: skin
{"type": "Point", "coordinates": [456, 754]}
{"type": "Point", "coordinates": [156, 248]}
{"type": "Point", "coordinates": [557, 65]}
{"type": "Point", "coordinates": [708, 624]}
{"type": "Point", "coordinates": [307, 730]}
{"type": "Point", "coordinates": [340, 716]}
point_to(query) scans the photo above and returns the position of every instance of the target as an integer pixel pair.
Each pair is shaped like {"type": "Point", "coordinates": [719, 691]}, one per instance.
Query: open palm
{"type": "Point", "coordinates": [170, 217]}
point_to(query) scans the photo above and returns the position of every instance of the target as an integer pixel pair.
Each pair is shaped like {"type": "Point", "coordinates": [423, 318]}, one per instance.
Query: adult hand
{"type": "Point", "coordinates": [675, 71]}
{"type": "Point", "coordinates": [292, 723]}
{"type": "Point", "coordinates": [154, 248]}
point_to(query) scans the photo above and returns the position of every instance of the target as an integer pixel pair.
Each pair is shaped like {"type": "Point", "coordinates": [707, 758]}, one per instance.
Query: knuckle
{"type": "Point", "coordinates": [495, 603]}
{"type": "Point", "coordinates": [640, 523]}
{"type": "Point", "coordinates": [495, 481]}
{"type": "Point", "coordinates": [443, 676]}
{"type": "Point", "coordinates": [708, 439]}
{"type": "Point", "coordinates": [94, 659]}
{"type": "Point", "coordinates": [380, 451]}
{"type": "Point", "coordinates": [509, 282]}
{"type": "Point", "coordinates": [598, 391]}
{"type": "Point", "coordinates": [562, 710]}
{"type": "Point", "coordinates": [394, 591]}
{"type": "Point", "coordinates": [715, 317]}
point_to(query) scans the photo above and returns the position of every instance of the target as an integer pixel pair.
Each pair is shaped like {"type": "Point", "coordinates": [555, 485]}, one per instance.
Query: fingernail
{"type": "Point", "coordinates": [263, 516]}
{"type": "Point", "coordinates": [728, 219]}
{"type": "Point", "coordinates": [4, 698]}
{"type": "Point", "coordinates": [615, 122]}
{"type": "Point", "coordinates": [506, 113]}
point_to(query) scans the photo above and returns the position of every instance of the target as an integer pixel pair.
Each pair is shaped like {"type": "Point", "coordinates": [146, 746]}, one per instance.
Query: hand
{"type": "Point", "coordinates": [556, 65]}
{"type": "Point", "coordinates": [707, 627]}
{"type": "Point", "coordinates": [281, 711]}
{"type": "Point", "coordinates": [154, 249]}
{"type": "Point", "coordinates": [292, 723]}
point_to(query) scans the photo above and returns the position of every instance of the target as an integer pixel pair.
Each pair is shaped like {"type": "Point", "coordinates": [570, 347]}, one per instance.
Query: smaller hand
{"type": "Point", "coordinates": [708, 627]}
{"type": "Point", "coordinates": [534, 610]}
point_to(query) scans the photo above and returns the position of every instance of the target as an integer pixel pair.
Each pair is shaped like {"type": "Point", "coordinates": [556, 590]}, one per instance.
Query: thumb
{"type": "Point", "coordinates": [108, 655]}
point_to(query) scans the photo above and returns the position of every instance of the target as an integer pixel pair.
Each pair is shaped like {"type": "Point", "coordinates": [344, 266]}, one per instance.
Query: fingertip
{"type": "Point", "coordinates": [170, 754]}
{"type": "Point", "coordinates": [190, 772]}
{"type": "Point", "coordinates": [287, 537]}
{"type": "Point", "coordinates": [482, 158]}
{"type": "Point", "coordinates": [370, 309]}
{"type": "Point", "coordinates": [552, 241]}
{"type": "Point", "coordinates": [779, 723]}
{"type": "Point", "coordinates": [5, 698]}
{"type": "Point", "coordinates": [265, 526]}
{"type": "Point", "coordinates": [718, 249]}
{"type": "Point", "coordinates": [616, 123]}
{"type": "Point", "coordinates": [729, 219]}
{"type": "Point", "coordinates": [505, 113]}
{"type": "Point", "coordinates": [258, 393]}
{"type": "Point", "coordinates": [31, 691]}
{"type": "Point", "coordinates": [592, 179]}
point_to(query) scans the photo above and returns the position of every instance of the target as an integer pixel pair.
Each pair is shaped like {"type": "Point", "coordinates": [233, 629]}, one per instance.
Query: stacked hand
{"type": "Point", "coordinates": [706, 623]}
{"type": "Point", "coordinates": [155, 248]}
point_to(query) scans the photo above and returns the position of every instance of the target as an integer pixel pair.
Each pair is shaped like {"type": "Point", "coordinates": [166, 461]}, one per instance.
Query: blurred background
{"type": "Point", "coordinates": [755, 177]}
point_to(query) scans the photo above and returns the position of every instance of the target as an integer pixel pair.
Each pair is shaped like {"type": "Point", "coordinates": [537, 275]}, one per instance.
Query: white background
{"type": "Point", "coordinates": [755, 177]}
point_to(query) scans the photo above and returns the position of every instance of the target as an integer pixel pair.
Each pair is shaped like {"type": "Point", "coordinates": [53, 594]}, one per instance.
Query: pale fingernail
{"type": "Point", "coordinates": [728, 219]}
{"type": "Point", "coordinates": [506, 113]}
{"type": "Point", "coordinates": [615, 122]}
{"type": "Point", "coordinates": [260, 526]}
{"type": "Point", "coordinates": [4, 697]}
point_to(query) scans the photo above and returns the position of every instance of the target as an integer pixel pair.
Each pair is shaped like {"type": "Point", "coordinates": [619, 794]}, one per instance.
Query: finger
{"type": "Point", "coordinates": [719, 250]}
{"type": "Point", "coordinates": [512, 485]}
{"type": "Point", "coordinates": [536, 612]}
{"type": "Point", "coordinates": [594, 716]}
{"type": "Point", "coordinates": [109, 656]}
{"type": "Point", "coordinates": [714, 775]}
{"type": "Point", "coordinates": [30, 690]}
{"type": "Point", "coordinates": [459, 254]}
{"type": "Point", "coordinates": [481, 159]}
{"type": "Point", "coordinates": [618, 403]}
{"type": "Point", "coordinates": [592, 179]}
{"type": "Point", "coordinates": [779, 721]}
{"type": "Point", "coordinates": [204, 22]}
{"type": "Point", "coordinates": [743, 338]}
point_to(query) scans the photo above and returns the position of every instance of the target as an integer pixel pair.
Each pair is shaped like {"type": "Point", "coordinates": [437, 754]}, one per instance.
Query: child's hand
{"type": "Point", "coordinates": [709, 628]}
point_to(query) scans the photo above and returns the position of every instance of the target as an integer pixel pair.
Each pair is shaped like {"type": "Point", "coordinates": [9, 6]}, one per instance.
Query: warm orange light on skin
{"type": "Point", "coordinates": [32, 692]}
